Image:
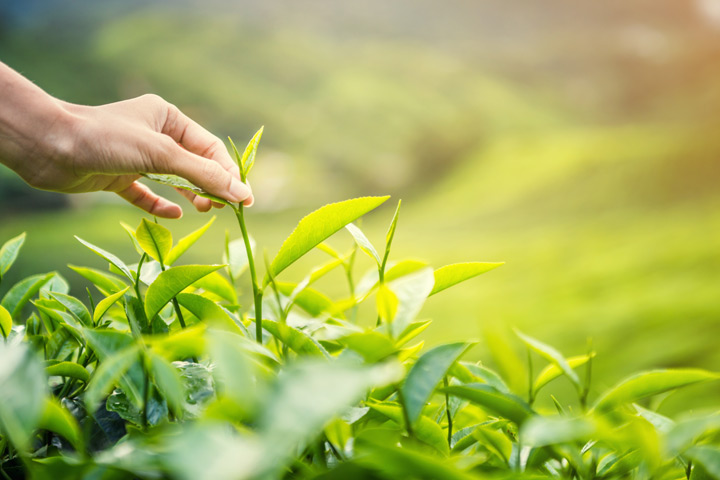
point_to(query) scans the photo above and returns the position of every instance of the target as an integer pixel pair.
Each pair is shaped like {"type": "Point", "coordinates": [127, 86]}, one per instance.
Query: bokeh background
{"type": "Point", "coordinates": [577, 141]}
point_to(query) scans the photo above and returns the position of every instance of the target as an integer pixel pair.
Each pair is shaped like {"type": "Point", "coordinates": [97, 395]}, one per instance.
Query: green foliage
{"type": "Point", "coordinates": [164, 379]}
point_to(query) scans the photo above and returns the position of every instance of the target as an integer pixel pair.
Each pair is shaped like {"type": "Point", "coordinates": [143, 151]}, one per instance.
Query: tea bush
{"type": "Point", "coordinates": [167, 375]}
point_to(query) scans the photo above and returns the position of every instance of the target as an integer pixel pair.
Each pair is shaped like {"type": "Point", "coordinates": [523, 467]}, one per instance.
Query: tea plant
{"type": "Point", "coordinates": [165, 374]}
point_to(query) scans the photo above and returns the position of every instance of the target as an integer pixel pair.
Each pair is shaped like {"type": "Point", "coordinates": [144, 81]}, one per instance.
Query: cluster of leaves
{"type": "Point", "coordinates": [169, 376]}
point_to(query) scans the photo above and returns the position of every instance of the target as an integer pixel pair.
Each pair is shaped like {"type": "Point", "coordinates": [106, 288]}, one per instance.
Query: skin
{"type": "Point", "coordinates": [62, 147]}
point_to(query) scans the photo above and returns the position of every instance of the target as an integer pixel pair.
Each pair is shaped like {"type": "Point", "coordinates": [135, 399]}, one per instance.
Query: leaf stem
{"type": "Point", "coordinates": [257, 292]}
{"type": "Point", "coordinates": [406, 415]}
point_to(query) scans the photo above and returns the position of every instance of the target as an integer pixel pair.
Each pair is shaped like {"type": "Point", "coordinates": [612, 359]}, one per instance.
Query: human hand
{"type": "Point", "coordinates": [58, 146]}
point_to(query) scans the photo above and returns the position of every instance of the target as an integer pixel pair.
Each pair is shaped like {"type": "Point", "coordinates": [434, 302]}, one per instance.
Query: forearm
{"type": "Point", "coordinates": [29, 120]}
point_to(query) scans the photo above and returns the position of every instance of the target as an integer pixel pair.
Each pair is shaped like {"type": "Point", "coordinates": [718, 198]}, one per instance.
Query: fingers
{"type": "Point", "coordinates": [141, 196]}
{"type": "Point", "coordinates": [206, 174]}
{"type": "Point", "coordinates": [201, 204]}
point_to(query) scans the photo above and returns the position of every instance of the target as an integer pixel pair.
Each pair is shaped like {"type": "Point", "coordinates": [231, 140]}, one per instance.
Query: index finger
{"type": "Point", "coordinates": [197, 140]}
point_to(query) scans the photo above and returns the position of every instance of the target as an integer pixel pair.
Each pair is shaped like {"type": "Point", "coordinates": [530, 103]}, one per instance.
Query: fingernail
{"type": "Point", "coordinates": [238, 191]}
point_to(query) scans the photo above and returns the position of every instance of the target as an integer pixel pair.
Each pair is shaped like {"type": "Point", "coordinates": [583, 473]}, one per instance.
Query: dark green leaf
{"type": "Point", "coordinates": [105, 282]}
{"type": "Point", "coordinates": [494, 401]}
{"type": "Point", "coordinates": [426, 374]}
{"type": "Point", "coordinates": [20, 294]}
{"type": "Point", "coordinates": [168, 382]}
{"type": "Point", "coordinates": [57, 419]}
{"type": "Point", "coordinates": [209, 312]}
{"type": "Point", "coordinates": [74, 306]}
{"type": "Point", "coordinates": [109, 374]}
{"type": "Point", "coordinates": [424, 429]}
{"type": "Point", "coordinates": [68, 369]}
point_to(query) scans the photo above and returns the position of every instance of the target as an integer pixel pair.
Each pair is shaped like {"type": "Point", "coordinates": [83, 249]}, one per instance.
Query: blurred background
{"type": "Point", "coordinates": [577, 141]}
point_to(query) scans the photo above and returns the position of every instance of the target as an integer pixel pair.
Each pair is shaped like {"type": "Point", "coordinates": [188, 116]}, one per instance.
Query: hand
{"type": "Point", "coordinates": [71, 148]}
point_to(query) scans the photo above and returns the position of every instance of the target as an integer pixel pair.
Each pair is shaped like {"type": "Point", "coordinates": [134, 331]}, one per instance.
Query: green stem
{"type": "Point", "coordinates": [146, 399]}
{"type": "Point", "coordinates": [531, 393]}
{"type": "Point", "coordinates": [257, 292]}
{"type": "Point", "coordinates": [137, 276]}
{"type": "Point", "coordinates": [447, 413]}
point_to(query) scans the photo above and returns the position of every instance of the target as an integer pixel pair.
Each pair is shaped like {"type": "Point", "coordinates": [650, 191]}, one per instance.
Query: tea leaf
{"type": "Point", "coordinates": [179, 182]}
{"type": "Point", "coordinates": [411, 290]}
{"type": "Point", "coordinates": [168, 382]}
{"type": "Point", "coordinates": [109, 374]}
{"type": "Point", "coordinates": [105, 282]}
{"type": "Point", "coordinates": [310, 393]}
{"type": "Point", "coordinates": [310, 300]}
{"type": "Point", "coordinates": [363, 242]}
{"type": "Point", "coordinates": [426, 374]}
{"type": "Point", "coordinates": [399, 462]}
{"type": "Point", "coordinates": [297, 340]}
{"type": "Point", "coordinates": [650, 383]}
{"type": "Point", "coordinates": [68, 369]}
{"type": "Point", "coordinates": [552, 371]}
{"type": "Point", "coordinates": [370, 344]}
{"type": "Point", "coordinates": [57, 419]}
{"type": "Point", "coordinates": [74, 306]}
{"type": "Point", "coordinates": [20, 294]}
{"type": "Point", "coordinates": [218, 285]}
{"type": "Point", "coordinates": [106, 303]}
{"type": "Point", "coordinates": [155, 240]}
{"type": "Point", "coordinates": [236, 256]}
{"type": "Point", "coordinates": [24, 387]}
{"type": "Point", "coordinates": [108, 345]}
{"type": "Point", "coordinates": [318, 226]}
{"type": "Point", "coordinates": [540, 431]}
{"type": "Point", "coordinates": [247, 160]}
{"type": "Point", "coordinates": [171, 282]}
{"type": "Point", "coordinates": [390, 235]}
{"type": "Point", "coordinates": [551, 355]}
{"type": "Point", "coordinates": [5, 322]}
{"type": "Point", "coordinates": [115, 261]}
{"type": "Point", "coordinates": [708, 456]}
{"type": "Point", "coordinates": [186, 242]}
{"type": "Point", "coordinates": [209, 312]}
{"type": "Point", "coordinates": [506, 405]}
{"type": "Point", "coordinates": [9, 253]}
{"type": "Point", "coordinates": [449, 275]}
{"type": "Point", "coordinates": [131, 233]}
{"type": "Point", "coordinates": [387, 303]}
{"type": "Point", "coordinates": [424, 429]}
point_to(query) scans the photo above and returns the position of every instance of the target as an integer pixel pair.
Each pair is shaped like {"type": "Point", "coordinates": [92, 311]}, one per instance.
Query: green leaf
{"type": "Point", "coordinates": [363, 242]}
{"type": "Point", "coordinates": [411, 290]}
{"type": "Point", "coordinates": [217, 284]}
{"type": "Point", "coordinates": [247, 160]}
{"type": "Point", "coordinates": [391, 234]}
{"type": "Point", "coordinates": [540, 431]}
{"type": "Point", "coordinates": [209, 312]}
{"type": "Point", "coordinates": [318, 226]}
{"type": "Point", "coordinates": [234, 370]}
{"type": "Point", "coordinates": [74, 306]}
{"type": "Point", "coordinates": [106, 303]}
{"type": "Point", "coordinates": [115, 261]}
{"type": "Point", "coordinates": [552, 371]}
{"type": "Point", "coordinates": [20, 294]}
{"type": "Point", "coordinates": [155, 240]}
{"type": "Point", "coordinates": [235, 256]}
{"type": "Point", "coordinates": [179, 182]}
{"type": "Point", "coordinates": [426, 374]}
{"type": "Point", "coordinates": [424, 429]}
{"type": "Point", "coordinates": [298, 341]}
{"type": "Point", "coordinates": [650, 383]}
{"type": "Point", "coordinates": [495, 441]}
{"type": "Point", "coordinates": [387, 303]}
{"type": "Point", "coordinates": [449, 275]}
{"type": "Point", "coordinates": [551, 355]}
{"type": "Point", "coordinates": [109, 374]}
{"type": "Point", "coordinates": [310, 300]}
{"type": "Point", "coordinates": [105, 282]}
{"type": "Point", "coordinates": [171, 282]}
{"type": "Point", "coordinates": [708, 456]}
{"type": "Point", "coordinates": [372, 345]}
{"type": "Point", "coordinates": [186, 242]}
{"type": "Point", "coordinates": [396, 462]}
{"type": "Point", "coordinates": [9, 252]}
{"type": "Point", "coordinates": [57, 419]}
{"type": "Point", "coordinates": [68, 369]}
{"type": "Point", "coordinates": [168, 381]}
{"type": "Point", "coordinates": [310, 393]}
{"type": "Point", "coordinates": [5, 322]}
{"type": "Point", "coordinates": [505, 405]}
{"type": "Point", "coordinates": [684, 433]}
{"type": "Point", "coordinates": [56, 284]}
{"type": "Point", "coordinates": [22, 396]}
{"type": "Point", "coordinates": [131, 233]}
{"type": "Point", "coordinates": [108, 345]}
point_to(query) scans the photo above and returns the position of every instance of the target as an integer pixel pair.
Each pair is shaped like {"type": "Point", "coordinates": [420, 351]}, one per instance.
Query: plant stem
{"type": "Point", "coordinates": [137, 276]}
{"type": "Point", "coordinates": [447, 413]}
{"type": "Point", "coordinates": [257, 292]}
{"type": "Point", "coordinates": [531, 394]}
